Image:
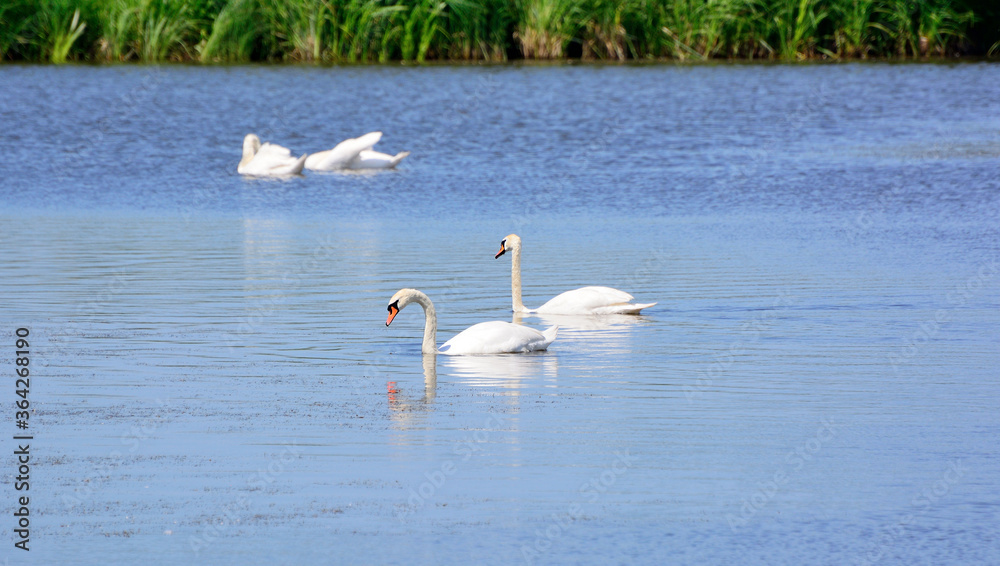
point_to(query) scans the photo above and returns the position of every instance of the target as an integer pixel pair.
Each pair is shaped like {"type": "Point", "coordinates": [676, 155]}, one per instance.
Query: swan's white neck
{"type": "Point", "coordinates": [430, 322]}
{"type": "Point", "coordinates": [515, 280]}
{"type": "Point", "coordinates": [250, 147]}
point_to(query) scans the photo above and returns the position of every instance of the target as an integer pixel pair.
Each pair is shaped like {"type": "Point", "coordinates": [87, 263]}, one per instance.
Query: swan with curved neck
{"type": "Point", "coordinates": [268, 160]}
{"type": "Point", "coordinates": [494, 337]}
{"type": "Point", "coordinates": [585, 300]}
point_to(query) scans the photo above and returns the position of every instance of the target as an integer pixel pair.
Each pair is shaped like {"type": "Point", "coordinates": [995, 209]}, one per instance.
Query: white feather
{"type": "Point", "coordinates": [268, 160]}
{"type": "Point", "coordinates": [498, 337]}
{"type": "Point", "coordinates": [341, 156]}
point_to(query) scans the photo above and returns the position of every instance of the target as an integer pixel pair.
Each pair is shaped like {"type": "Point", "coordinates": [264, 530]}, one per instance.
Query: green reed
{"type": "Point", "coordinates": [15, 20]}
{"type": "Point", "coordinates": [58, 24]}
{"type": "Point", "coordinates": [147, 30]}
{"type": "Point", "coordinates": [421, 30]}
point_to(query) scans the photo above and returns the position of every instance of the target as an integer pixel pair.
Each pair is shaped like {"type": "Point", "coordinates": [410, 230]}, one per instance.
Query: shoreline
{"type": "Point", "coordinates": [514, 63]}
{"type": "Point", "coordinates": [495, 31]}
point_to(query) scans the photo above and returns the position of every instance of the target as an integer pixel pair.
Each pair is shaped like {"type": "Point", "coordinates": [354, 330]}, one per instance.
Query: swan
{"type": "Point", "coordinates": [494, 337]}
{"type": "Point", "coordinates": [370, 159]}
{"type": "Point", "coordinates": [585, 300]}
{"type": "Point", "coordinates": [268, 160]}
{"type": "Point", "coordinates": [355, 153]}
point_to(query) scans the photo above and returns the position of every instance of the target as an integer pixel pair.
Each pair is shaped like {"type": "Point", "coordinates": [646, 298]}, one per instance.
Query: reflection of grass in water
{"type": "Point", "coordinates": [418, 30]}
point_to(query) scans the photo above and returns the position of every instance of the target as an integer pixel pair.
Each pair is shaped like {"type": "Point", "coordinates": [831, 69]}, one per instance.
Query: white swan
{"type": "Point", "coordinates": [495, 337]}
{"type": "Point", "coordinates": [370, 159]}
{"type": "Point", "coordinates": [268, 160]}
{"type": "Point", "coordinates": [355, 153]}
{"type": "Point", "coordinates": [585, 300]}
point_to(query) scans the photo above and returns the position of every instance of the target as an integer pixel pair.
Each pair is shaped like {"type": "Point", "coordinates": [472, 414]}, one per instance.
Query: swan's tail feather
{"type": "Point", "coordinates": [397, 158]}
{"type": "Point", "coordinates": [638, 307]}
{"type": "Point", "coordinates": [368, 140]}
{"type": "Point", "coordinates": [623, 308]}
{"type": "Point", "coordinates": [550, 335]}
{"type": "Point", "coordinates": [297, 168]}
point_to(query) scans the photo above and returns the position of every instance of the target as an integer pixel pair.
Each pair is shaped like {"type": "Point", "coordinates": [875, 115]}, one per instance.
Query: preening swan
{"type": "Point", "coordinates": [585, 300]}
{"type": "Point", "coordinates": [495, 337]}
{"type": "Point", "coordinates": [355, 153]}
{"type": "Point", "coordinates": [268, 160]}
{"type": "Point", "coordinates": [370, 159]}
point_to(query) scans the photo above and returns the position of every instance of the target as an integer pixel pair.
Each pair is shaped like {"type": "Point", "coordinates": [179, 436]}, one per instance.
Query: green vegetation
{"type": "Point", "coordinates": [492, 30]}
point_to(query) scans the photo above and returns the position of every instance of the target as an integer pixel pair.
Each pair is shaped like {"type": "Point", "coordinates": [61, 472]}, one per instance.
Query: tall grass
{"type": "Point", "coordinates": [940, 26]}
{"type": "Point", "coordinates": [603, 34]}
{"type": "Point", "coordinates": [854, 31]}
{"type": "Point", "coordinates": [149, 30]}
{"type": "Point", "coordinates": [59, 26]}
{"type": "Point", "coordinates": [479, 29]}
{"type": "Point", "coordinates": [420, 30]}
{"type": "Point", "coordinates": [703, 30]}
{"type": "Point", "coordinates": [545, 27]}
{"type": "Point", "coordinates": [797, 25]}
{"type": "Point", "coordinates": [15, 28]}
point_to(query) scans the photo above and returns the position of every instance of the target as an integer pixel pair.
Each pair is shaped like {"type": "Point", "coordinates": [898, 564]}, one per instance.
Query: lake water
{"type": "Point", "coordinates": [212, 381]}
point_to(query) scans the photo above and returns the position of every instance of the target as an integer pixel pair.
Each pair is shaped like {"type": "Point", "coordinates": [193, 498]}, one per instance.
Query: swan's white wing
{"type": "Point", "coordinates": [295, 167]}
{"type": "Point", "coordinates": [341, 156]}
{"type": "Point", "coordinates": [498, 337]}
{"type": "Point", "coordinates": [273, 151]}
{"type": "Point", "coordinates": [273, 160]}
{"type": "Point", "coordinates": [370, 159]}
{"type": "Point", "coordinates": [592, 300]}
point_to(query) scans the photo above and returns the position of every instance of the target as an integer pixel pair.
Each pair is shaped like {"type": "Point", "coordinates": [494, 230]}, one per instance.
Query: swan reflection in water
{"type": "Point", "coordinates": [608, 333]}
{"type": "Point", "coordinates": [586, 322]}
{"type": "Point", "coordinates": [404, 405]}
{"type": "Point", "coordinates": [408, 410]}
{"type": "Point", "coordinates": [508, 371]}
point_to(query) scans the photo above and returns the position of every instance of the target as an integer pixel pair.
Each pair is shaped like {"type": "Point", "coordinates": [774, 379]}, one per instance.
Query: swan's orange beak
{"type": "Point", "coordinates": [393, 311]}
{"type": "Point", "coordinates": [502, 251]}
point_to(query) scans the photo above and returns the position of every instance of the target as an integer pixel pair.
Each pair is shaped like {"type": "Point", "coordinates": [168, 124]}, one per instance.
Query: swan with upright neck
{"type": "Point", "coordinates": [585, 300]}
{"type": "Point", "coordinates": [494, 337]}
{"type": "Point", "coordinates": [268, 160]}
{"type": "Point", "coordinates": [354, 153]}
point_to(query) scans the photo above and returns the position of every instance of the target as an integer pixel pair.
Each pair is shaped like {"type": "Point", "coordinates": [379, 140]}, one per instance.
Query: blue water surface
{"type": "Point", "coordinates": [212, 381]}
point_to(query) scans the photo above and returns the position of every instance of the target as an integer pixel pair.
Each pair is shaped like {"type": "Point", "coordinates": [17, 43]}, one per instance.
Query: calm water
{"type": "Point", "coordinates": [213, 382]}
